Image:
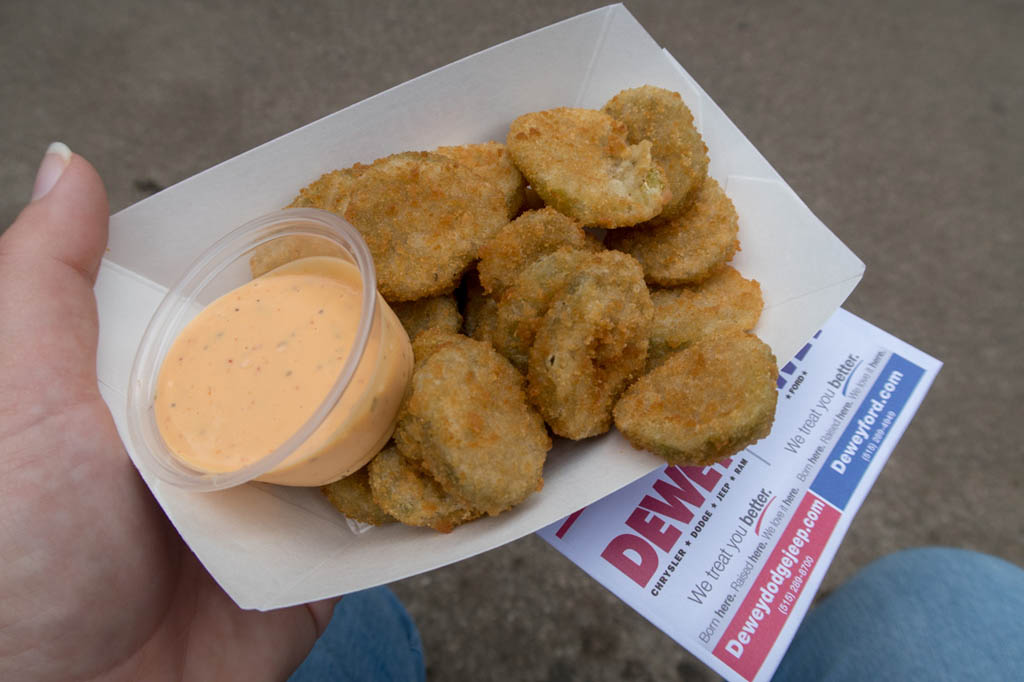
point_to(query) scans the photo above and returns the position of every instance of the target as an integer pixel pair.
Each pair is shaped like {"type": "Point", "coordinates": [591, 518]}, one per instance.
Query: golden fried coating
{"type": "Point", "coordinates": [579, 162]}
{"type": "Point", "coordinates": [524, 304]}
{"type": "Point", "coordinates": [330, 192]}
{"type": "Point", "coordinates": [690, 248]}
{"type": "Point", "coordinates": [424, 217]}
{"type": "Point", "coordinates": [590, 344]}
{"type": "Point", "coordinates": [660, 116]}
{"type": "Point", "coordinates": [429, 341]}
{"type": "Point", "coordinates": [468, 424]}
{"type": "Point", "coordinates": [492, 162]}
{"type": "Point", "coordinates": [436, 311]}
{"type": "Point", "coordinates": [726, 300]}
{"type": "Point", "coordinates": [523, 241]}
{"type": "Point", "coordinates": [352, 497]}
{"type": "Point", "coordinates": [411, 496]}
{"type": "Point", "coordinates": [704, 403]}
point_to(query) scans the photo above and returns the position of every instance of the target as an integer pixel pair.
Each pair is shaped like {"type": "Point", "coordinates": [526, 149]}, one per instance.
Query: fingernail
{"type": "Point", "coordinates": [56, 159]}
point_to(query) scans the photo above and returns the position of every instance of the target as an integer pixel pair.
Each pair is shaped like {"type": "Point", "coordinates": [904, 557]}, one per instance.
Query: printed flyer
{"type": "Point", "coordinates": [726, 559]}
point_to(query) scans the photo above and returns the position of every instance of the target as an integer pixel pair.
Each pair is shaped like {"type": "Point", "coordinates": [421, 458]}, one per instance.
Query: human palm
{"type": "Point", "coordinates": [95, 583]}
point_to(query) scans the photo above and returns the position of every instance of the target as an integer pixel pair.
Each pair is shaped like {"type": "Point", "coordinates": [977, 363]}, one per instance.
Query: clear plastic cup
{"type": "Point", "coordinates": [349, 437]}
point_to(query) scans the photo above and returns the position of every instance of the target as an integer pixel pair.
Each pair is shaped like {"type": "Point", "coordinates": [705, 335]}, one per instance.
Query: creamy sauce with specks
{"type": "Point", "coordinates": [249, 370]}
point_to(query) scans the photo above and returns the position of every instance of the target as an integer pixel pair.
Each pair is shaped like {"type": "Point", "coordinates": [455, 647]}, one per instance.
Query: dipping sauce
{"type": "Point", "coordinates": [251, 368]}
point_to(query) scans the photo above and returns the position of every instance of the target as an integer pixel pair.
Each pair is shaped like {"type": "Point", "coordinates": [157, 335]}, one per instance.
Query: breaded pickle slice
{"type": "Point", "coordinates": [690, 248]}
{"type": "Point", "coordinates": [424, 217]}
{"type": "Point", "coordinates": [704, 403]}
{"type": "Point", "coordinates": [330, 192]}
{"type": "Point", "coordinates": [660, 116]}
{"type": "Point", "coordinates": [352, 497]}
{"type": "Point", "coordinates": [427, 313]}
{"type": "Point", "coordinates": [429, 341]}
{"type": "Point", "coordinates": [411, 496]}
{"type": "Point", "coordinates": [524, 240]}
{"type": "Point", "coordinates": [590, 344]}
{"type": "Point", "coordinates": [523, 305]}
{"type": "Point", "coordinates": [580, 162]}
{"type": "Point", "coordinates": [468, 424]}
{"type": "Point", "coordinates": [493, 163]}
{"type": "Point", "coordinates": [726, 300]}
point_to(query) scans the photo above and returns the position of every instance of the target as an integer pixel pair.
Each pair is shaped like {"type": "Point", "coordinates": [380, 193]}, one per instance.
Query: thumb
{"type": "Point", "coordinates": [49, 258]}
{"type": "Point", "coordinates": [66, 221]}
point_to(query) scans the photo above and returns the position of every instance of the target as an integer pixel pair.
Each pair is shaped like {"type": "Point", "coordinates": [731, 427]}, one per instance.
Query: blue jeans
{"type": "Point", "coordinates": [370, 639]}
{"type": "Point", "coordinates": [923, 614]}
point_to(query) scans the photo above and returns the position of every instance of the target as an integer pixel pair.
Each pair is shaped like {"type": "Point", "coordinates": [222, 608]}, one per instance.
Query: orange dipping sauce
{"type": "Point", "coordinates": [249, 370]}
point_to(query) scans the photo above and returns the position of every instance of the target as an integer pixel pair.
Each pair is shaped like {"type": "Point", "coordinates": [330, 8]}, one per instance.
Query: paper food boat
{"type": "Point", "coordinates": [272, 546]}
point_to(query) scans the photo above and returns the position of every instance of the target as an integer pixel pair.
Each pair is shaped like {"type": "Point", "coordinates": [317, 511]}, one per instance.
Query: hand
{"type": "Point", "coordinates": [95, 583]}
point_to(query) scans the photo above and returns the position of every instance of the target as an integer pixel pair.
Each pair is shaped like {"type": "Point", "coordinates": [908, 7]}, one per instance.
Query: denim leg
{"type": "Point", "coordinates": [924, 614]}
{"type": "Point", "coordinates": [370, 638]}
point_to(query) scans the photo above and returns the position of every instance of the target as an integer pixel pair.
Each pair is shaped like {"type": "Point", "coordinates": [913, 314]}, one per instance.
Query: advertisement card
{"type": "Point", "coordinates": [726, 559]}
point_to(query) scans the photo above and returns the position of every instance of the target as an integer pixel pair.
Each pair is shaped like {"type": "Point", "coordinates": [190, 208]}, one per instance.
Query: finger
{"type": "Point", "coordinates": [322, 611]}
{"type": "Point", "coordinates": [48, 263]}
{"type": "Point", "coordinates": [67, 219]}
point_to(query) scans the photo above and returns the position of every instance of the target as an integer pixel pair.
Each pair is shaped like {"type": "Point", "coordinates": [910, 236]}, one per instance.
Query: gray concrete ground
{"type": "Point", "coordinates": [898, 123]}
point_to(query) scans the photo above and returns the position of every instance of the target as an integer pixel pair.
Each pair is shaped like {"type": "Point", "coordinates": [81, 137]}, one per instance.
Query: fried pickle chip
{"type": "Point", "coordinates": [431, 340]}
{"type": "Point", "coordinates": [524, 240]}
{"type": "Point", "coordinates": [590, 344]}
{"type": "Point", "coordinates": [579, 162]}
{"type": "Point", "coordinates": [660, 116]}
{"type": "Point", "coordinates": [352, 497]}
{"type": "Point", "coordinates": [492, 162]}
{"type": "Point", "coordinates": [726, 300]}
{"type": "Point", "coordinates": [330, 192]}
{"type": "Point", "coordinates": [468, 424]}
{"type": "Point", "coordinates": [426, 313]}
{"type": "Point", "coordinates": [522, 307]}
{"type": "Point", "coordinates": [411, 496]}
{"type": "Point", "coordinates": [424, 217]}
{"type": "Point", "coordinates": [690, 248]}
{"type": "Point", "coordinates": [704, 403]}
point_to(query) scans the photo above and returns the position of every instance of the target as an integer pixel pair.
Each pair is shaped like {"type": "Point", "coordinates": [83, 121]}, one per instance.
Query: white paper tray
{"type": "Point", "coordinates": [269, 546]}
